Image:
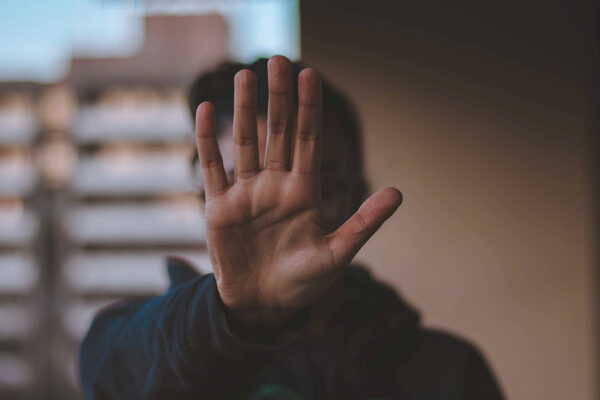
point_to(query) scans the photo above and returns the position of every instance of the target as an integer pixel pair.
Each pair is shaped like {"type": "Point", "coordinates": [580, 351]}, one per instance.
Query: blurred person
{"type": "Point", "coordinates": [284, 315]}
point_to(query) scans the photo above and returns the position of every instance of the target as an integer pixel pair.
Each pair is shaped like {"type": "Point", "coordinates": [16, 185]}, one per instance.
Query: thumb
{"type": "Point", "coordinates": [345, 242]}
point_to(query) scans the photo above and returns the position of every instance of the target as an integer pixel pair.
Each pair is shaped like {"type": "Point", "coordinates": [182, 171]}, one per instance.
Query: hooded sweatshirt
{"type": "Point", "coordinates": [181, 345]}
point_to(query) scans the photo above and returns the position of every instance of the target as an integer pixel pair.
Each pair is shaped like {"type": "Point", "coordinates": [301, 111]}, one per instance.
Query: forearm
{"type": "Point", "coordinates": [178, 343]}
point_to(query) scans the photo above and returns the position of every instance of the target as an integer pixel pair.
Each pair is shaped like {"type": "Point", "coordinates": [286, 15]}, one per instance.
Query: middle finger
{"type": "Point", "coordinates": [280, 121]}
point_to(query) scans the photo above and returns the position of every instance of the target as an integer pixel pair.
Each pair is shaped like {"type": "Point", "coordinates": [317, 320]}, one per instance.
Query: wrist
{"type": "Point", "coordinates": [258, 319]}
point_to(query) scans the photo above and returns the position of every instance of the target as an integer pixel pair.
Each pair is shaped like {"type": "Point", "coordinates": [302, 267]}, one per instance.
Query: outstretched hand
{"type": "Point", "coordinates": [268, 240]}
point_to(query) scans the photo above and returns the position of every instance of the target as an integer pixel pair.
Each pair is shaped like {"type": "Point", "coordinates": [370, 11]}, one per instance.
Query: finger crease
{"type": "Point", "coordinates": [245, 141]}
{"type": "Point", "coordinates": [306, 136]}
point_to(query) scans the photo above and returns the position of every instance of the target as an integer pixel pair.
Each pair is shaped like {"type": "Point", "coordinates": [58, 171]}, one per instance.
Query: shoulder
{"type": "Point", "coordinates": [446, 344]}
{"type": "Point", "coordinates": [447, 353]}
{"type": "Point", "coordinates": [440, 359]}
{"type": "Point", "coordinates": [381, 311]}
{"type": "Point", "coordinates": [431, 362]}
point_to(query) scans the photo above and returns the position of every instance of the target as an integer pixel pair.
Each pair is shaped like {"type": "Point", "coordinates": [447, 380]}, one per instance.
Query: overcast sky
{"type": "Point", "coordinates": [37, 37]}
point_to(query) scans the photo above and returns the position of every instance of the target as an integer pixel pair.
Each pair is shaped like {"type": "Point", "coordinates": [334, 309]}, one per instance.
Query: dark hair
{"type": "Point", "coordinates": [216, 86]}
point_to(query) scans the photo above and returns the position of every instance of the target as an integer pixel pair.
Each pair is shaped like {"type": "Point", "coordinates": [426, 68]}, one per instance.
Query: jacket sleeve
{"type": "Point", "coordinates": [177, 345]}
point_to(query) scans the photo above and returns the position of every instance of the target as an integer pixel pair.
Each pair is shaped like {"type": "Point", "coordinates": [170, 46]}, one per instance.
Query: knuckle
{"type": "Point", "coordinates": [245, 174]}
{"type": "Point", "coordinates": [276, 165]}
{"type": "Point", "coordinates": [248, 107]}
{"type": "Point", "coordinates": [205, 137]}
{"type": "Point", "coordinates": [360, 226]}
{"type": "Point", "coordinates": [245, 141]}
{"type": "Point", "coordinates": [306, 135]}
{"type": "Point", "coordinates": [210, 163]}
{"type": "Point", "coordinates": [278, 127]}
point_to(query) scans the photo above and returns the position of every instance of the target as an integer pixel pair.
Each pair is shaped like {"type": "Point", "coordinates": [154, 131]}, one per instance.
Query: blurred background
{"type": "Point", "coordinates": [482, 114]}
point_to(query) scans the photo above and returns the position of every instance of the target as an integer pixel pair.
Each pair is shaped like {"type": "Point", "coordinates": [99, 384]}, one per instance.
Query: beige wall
{"type": "Point", "coordinates": [493, 241]}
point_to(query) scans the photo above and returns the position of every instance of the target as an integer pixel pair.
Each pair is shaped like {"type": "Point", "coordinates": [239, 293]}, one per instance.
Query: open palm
{"type": "Point", "coordinates": [270, 245]}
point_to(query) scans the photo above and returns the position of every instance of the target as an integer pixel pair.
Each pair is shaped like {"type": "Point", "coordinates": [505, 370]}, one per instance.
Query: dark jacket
{"type": "Point", "coordinates": [181, 345]}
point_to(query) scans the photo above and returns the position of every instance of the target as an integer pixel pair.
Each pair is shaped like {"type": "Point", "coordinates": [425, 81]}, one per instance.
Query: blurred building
{"type": "Point", "coordinates": [20, 287]}
{"type": "Point", "coordinates": [95, 189]}
{"type": "Point", "coordinates": [176, 47]}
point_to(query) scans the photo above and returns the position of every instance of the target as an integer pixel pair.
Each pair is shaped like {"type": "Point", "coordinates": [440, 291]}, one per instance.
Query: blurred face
{"type": "Point", "coordinates": [341, 181]}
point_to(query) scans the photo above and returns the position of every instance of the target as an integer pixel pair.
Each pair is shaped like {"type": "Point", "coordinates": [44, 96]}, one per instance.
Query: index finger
{"type": "Point", "coordinates": [209, 155]}
{"type": "Point", "coordinates": [245, 134]}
